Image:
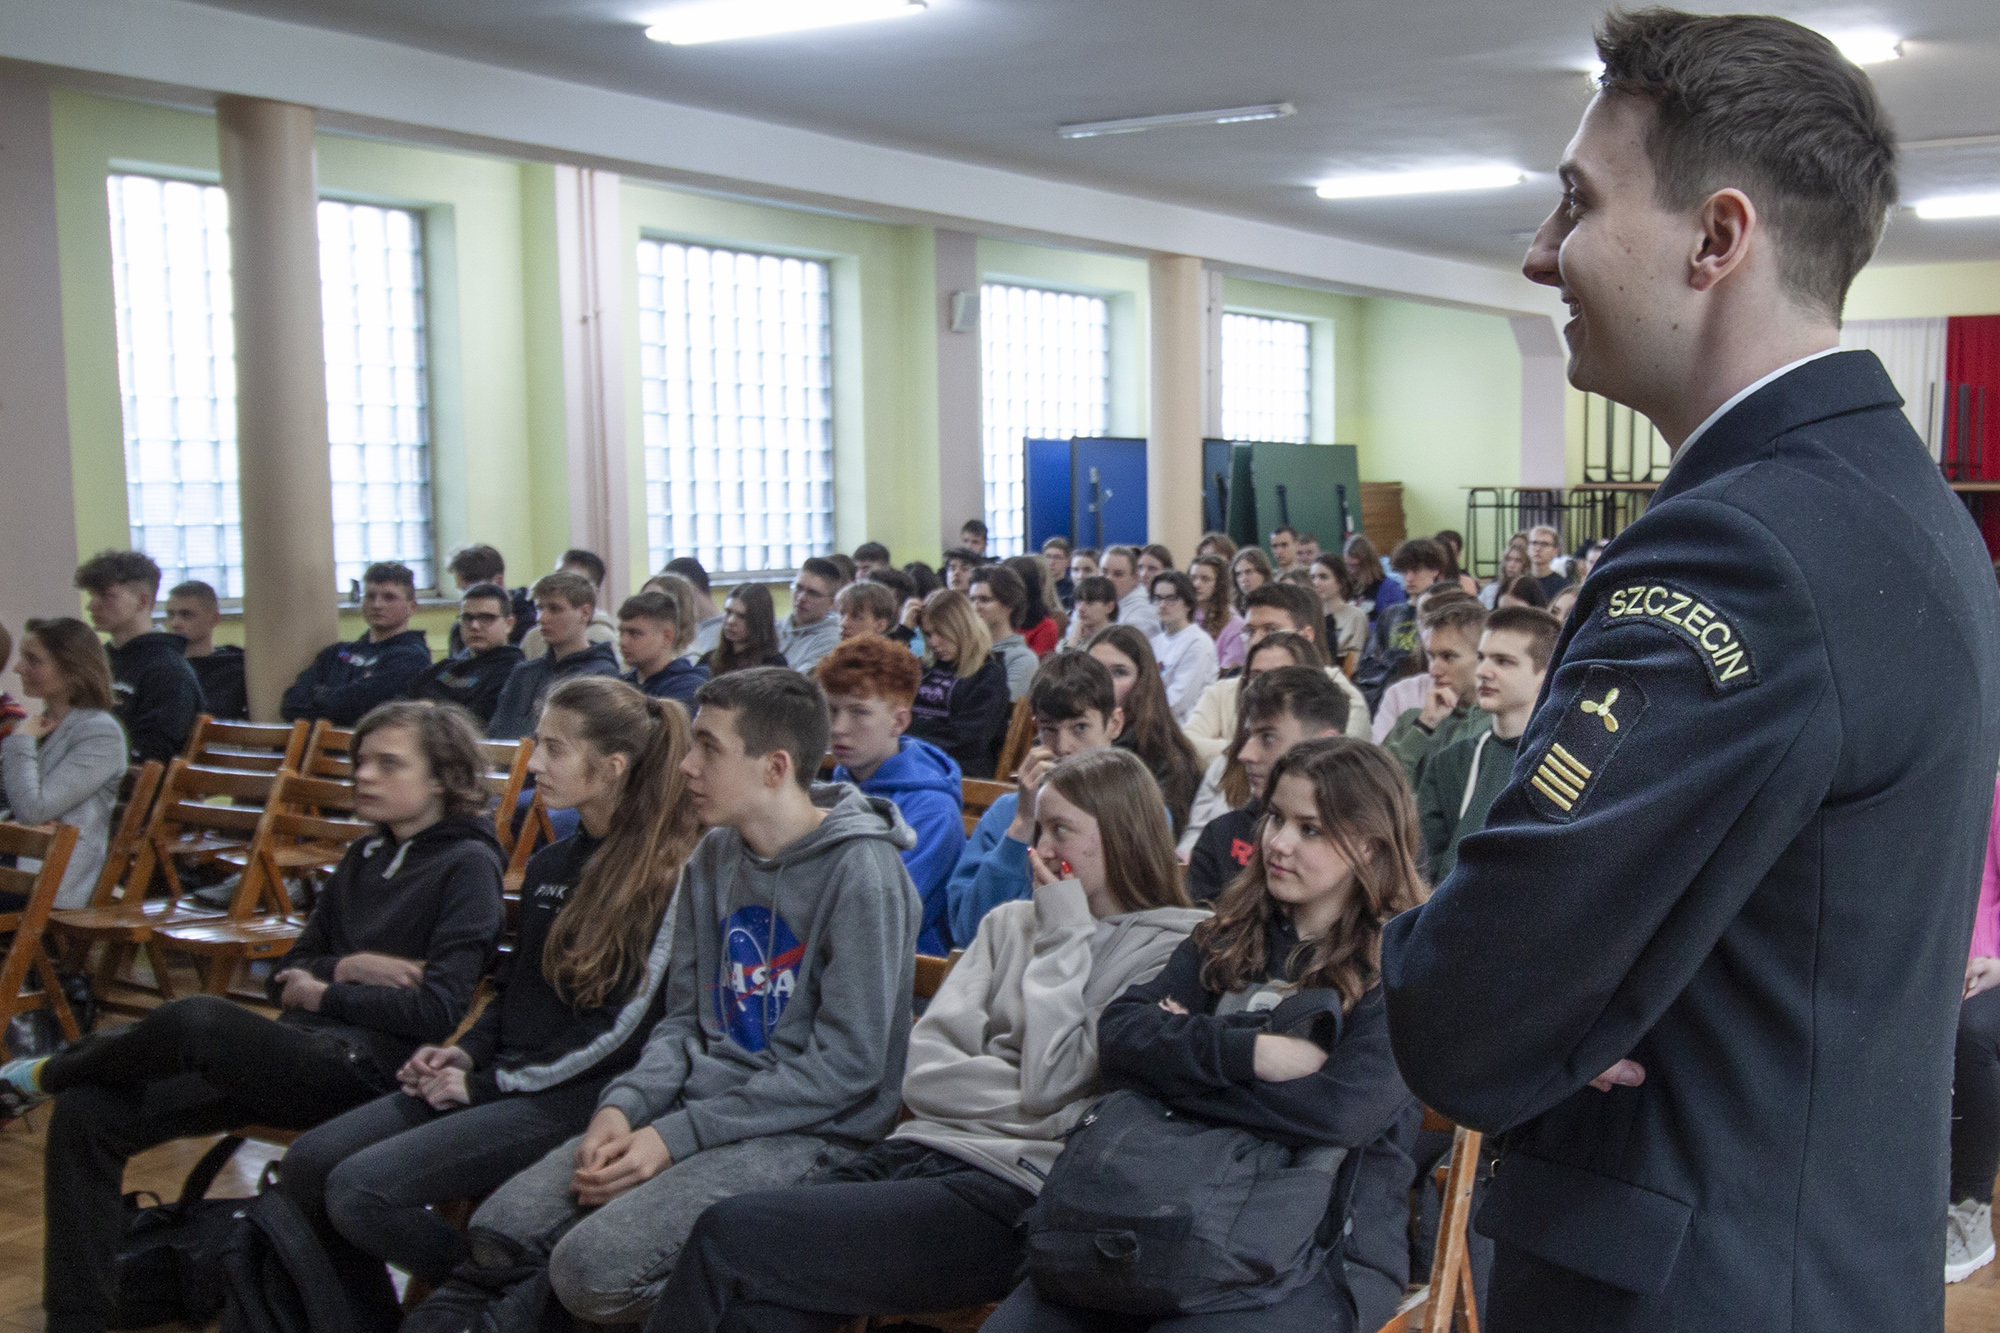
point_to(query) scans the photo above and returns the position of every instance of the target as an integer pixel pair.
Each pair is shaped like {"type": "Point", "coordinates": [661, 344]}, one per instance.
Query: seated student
{"type": "Point", "coordinates": [1268, 609]}
{"type": "Point", "coordinates": [1307, 552]}
{"type": "Point", "coordinates": [809, 631]}
{"type": "Point", "coordinates": [602, 628]}
{"type": "Point", "coordinates": [157, 692]}
{"type": "Point", "coordinates": [573, 1004]}
{"type": "Point", "coordinates": [1450, 627]}
{"type": "Point", "coordinates": [787, 1015]}
{"type": "Point", "coordinates": [1056, 555]}
{"type": "Point", "coordinates": [473, 565]}
{"type": "Point", "coordinates": [193, 613]}
{"type": "Point", "coordinates": [1075, 707]}
{"type": "Point", "coordinates": [870, 684]}
{"type": "Point", "coordinates": [683, 596]}
{"type": "Point", "coordinates": [64, 766]}
{"type": "Point", "coordinates": [1042, 619]}
{"type": "Point", "coordinates": [346, 680]}
{"type": "Point", "coordinates": [648, 639]}
{"type": "Point", "coordinates": [1346, 624]}
{"type": "Point", "coordinates": [1975, 1084]}
{"type": "Point", "coordinates": [1188, 663]}
{"type": "Point", "coordinates": [999, 599]}
{"type": "Point", "coordinates": [1336, 857]}
{"type": "Point", "coordinates": [1095, 608]}
{"type": "Point", "coordinates": [961, 705]}
{"type": "Point", "coordinates": [1150, 729]}
{"type": "Point", "coordinates": [866, 610]}
{"type": "Point", "coordinates": [972, 536]}
{"type": "Point", "coordinates": [708, 619]}
{"type": "Point", "coordinates": [1135, 599]}
{"type": "Point", "coordinates": [869, 557]}
{"type": "Point", "coordinates": [749, 632]}
{"type": "Point", "coordinates": [1281, 708]}
{"type": "Point", "coordinates": [1085, 563]}
{"type": "Point", "coordinates": [1215, 611]}
{"type": "Point", "coordinates": [12, 714]}
{"type": "Point", "coordinates": [566, 605]}
{"type": "Point", "coordinates": [1419, 562]}
{"type": "Point", "coordinates": [1154, 560]}
{"type": "Point", "coordinates": [1224, 786]}
{"type": "Point", "coordinates": [387, 961]}
{"type": "Point", "coordinates": [474, 677]}
{"type": "Point", "coordinates": [1002, 1065]}
{"type": "Point", "coordinates": [1413, 690]}
{"type": "Point", "coordinates": [1457, 783]}
{"type": "Point", "coordinates": [959, 562]}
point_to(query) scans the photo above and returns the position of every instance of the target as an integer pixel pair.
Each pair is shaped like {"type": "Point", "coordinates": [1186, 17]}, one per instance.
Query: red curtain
{"type": "Point", "coordinates": [1972, 412]}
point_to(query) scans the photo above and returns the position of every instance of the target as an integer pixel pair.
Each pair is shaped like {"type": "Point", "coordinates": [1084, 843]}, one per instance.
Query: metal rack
{"type": "Point", "coordinates": [1580, 514]}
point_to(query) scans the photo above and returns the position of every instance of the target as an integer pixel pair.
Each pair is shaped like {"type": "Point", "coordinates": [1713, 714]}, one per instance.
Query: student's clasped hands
{"type": "Point", "coordinates": [437, 1074]}
{"type": "Point", "coordinates": [613, 1158]}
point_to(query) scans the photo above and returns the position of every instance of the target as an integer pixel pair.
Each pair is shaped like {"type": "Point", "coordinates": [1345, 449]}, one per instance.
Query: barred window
{"type": "Point", "coordinates": [1046, 363]}
{"type": "Point", "coordinates": [1266, 379]}
{"type": "Point", "coordinates": [736, 391]}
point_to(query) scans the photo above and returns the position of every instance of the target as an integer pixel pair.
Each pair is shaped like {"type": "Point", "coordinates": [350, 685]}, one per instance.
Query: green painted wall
{"type": "Point", "coordinates": [1924, 291]}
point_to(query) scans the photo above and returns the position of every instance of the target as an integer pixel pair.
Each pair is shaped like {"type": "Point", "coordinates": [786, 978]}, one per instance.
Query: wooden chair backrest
{"type": "Point", "coordinates": [1446, 1303]}
{"type": "Point", "coordinates": [505, 774]}
{"type": "Point", "coordinates": [136, 794]}
{"type": "Point", "coordinates": [304, 811]}
{"type": "Point", "coordinates": [931, 972]}
{"type": "Point", "coordinates": [329, 752]}
{"type": "Point", "coordinates": [1350, 662]}
{"type": "Point", "coordinates": [51, 844]}
{"type": "Point", "coordinates": [536, 832]}
{"type": "Point", "coordinates": [184, 807]}
{"type": "Point", "coordinates": [1020, 736]}
{"type": "Point", "coordinates": [979, 796]}
{"type": "Point", "coordinates": [260, 747]}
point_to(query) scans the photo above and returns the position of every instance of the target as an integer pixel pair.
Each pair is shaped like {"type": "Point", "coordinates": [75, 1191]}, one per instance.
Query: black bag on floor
{"type": "Point", "coordinates": [170, 1265]}
{"type": "Point", "coordinates": [278, 1277]}
{"type": "Point", "coordinates": [511, 1296]}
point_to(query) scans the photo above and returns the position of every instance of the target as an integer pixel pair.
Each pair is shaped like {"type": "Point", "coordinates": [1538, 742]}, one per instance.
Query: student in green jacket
{"type": "Point", "coordinates": [1450, 629]}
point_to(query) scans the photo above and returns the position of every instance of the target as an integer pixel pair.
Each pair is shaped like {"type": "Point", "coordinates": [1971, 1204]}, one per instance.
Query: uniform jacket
{"type": "Point", "coordinates": [348, 679]}
{"type": "Point", "coordinates": [157, 695]}
{"type": "Point", "coordinates": [1722, 886]}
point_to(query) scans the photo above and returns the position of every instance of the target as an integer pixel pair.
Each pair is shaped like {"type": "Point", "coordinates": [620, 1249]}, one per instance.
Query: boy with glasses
{"type": "Point", "coordinates": [811, 630]}
{"type": "Point", "coordinates": [473, 680]}
{"type": "Point", "coordinates": [1543, 548]}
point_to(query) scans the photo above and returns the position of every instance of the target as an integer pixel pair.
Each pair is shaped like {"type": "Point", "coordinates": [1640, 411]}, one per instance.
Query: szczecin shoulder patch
{"type": "Point", "coordinates": [1593, 725]}
{"type": "Point", "coordinates": [1713, 637]}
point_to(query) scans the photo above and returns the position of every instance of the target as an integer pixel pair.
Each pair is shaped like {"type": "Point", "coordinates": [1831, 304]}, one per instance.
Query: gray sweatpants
{"type": "Point", "coordinates": [609, 1266]}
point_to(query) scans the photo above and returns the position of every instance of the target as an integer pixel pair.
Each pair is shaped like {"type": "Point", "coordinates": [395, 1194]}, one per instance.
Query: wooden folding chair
{"type": "Point", "coordinates": [260, 747]}
{"type": "Point", "coordinates": [1446, 1303]}
{"type": "Point", "coordinates": [979, 796]}
{"type": "Point", "coordinates": [51, 844]}
{"type": "Point", "coordinates": [931, 972]}
{"type": "Point", "coordinates": [536, 832]}
{"type": "Point", "coordinates": [1020, 736]}
{"type": "Point", "coordinates": [1350, 662]}
{"type": "Point", "coordinates": [329, 752]}
{"type": "Point", "coordinates": [75, 927]}
{"type": "Point", "coordinates": [504, 776]}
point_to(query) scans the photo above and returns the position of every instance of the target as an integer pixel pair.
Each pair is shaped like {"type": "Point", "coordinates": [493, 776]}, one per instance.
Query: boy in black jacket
{"type": "Point", "coordinates": [348, 679]}
{"type": "Point", "coordinates": [387, 961]}
{"type": "Point", "coordinates": [158, 697]}
{"type": "Point", "coordinates": [193, 612]}
{"type": "Point", "coordinates": [474, 678]}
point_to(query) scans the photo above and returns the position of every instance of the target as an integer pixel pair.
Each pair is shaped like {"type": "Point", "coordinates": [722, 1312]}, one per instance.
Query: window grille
{"type": "Point", "coordinates": [1266, 379]}
{"type": "Point", "coordinates": [1046, 363]}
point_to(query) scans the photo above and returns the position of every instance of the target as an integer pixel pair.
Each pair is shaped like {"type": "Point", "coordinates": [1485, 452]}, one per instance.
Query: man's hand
{"type": "Point", "coordinates": [634, 1160]}
{"type": "Point", "coordinates": [446, 1089]}
{"type": "Point", "coordinates": [1173, 1006]}
{"type": "Point", "coordinates": [1438, 706]}
{"type": "Point", "coordinates": [1981, 974]}
{"type": "Point", "coordinates": [301, 990]}
{"type": "Point", "coordinates": [379, 969]}
{"type": "Point", "coordinates": [1279, 1059]}
{"type": "Point", "coordinates": [1624, 1074]}
{"type": "Point", "coordinates": [1029, 784]}
{"type": "Point", "coordinates": [428, 1062]}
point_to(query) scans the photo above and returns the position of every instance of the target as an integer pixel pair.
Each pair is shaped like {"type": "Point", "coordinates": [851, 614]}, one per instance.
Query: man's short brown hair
{"type": "Point", "coordinates": [108, 569]}
{"type": "Point", "coordinates": [1539, 627]}
{"type": "Point", "coordinates": [567, 587]}
{"type": "Point", "coordinates": [393, 572]}
{"type": "Point", "coordinates": [1774, 109]}
{"type": "Point", "coordinates": [194, 590]}
{"type": "Point", "coordinates": [874, 665]}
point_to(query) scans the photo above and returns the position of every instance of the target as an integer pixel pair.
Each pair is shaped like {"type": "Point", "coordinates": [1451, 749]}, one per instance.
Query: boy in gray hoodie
{"type": "Point", "coordinates": [787, 1012]}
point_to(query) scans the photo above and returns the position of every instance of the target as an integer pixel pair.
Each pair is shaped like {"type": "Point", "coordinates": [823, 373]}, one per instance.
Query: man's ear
{"type": "Point", "coordinates": [902, 718]}
{"type": "Point", "coordinates": [776, 767]}
{"type": "Point", "coordinates": [1729, 224]}
{"type": "Point", "coordinates": [1114, 726]}
{"type": "Point", "coordinates": [1310, 633]}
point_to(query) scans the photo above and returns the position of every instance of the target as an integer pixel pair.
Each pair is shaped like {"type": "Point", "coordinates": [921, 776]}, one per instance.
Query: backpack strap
{"type": "Point", "coordinates": [208, 1168]}
{"type": "Point", "coordinates": [297, 1249]}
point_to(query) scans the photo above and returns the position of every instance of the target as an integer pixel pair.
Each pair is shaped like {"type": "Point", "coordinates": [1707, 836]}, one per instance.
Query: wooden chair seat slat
{"type": "Point", "coordinates": [51, 845]}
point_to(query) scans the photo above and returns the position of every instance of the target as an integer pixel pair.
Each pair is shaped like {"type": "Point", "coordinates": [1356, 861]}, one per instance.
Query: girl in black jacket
{"type": "Point", "coordinates": [1336, 858]}
{"type": "Point", "coordinates": [962, 705]}
{"type": "Point", "coordinates": [573, 1005]}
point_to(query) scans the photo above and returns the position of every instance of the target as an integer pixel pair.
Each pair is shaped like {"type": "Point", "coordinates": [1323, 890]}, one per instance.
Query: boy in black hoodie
{"type": "Point", "coordinates": [348, 679]}
{"type": "Point", "coordinates": [387, 961]}
{"type": "Point", "coordinates": [158, 696]}
{"type": "Point", "coordinates": [565, 604]}
{"type": "Point", "coordinates": [473, 679]}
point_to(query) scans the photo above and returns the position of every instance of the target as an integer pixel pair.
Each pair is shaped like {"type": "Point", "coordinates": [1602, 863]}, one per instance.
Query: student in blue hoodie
{"type": "Point", "coordinates": [1075, 708]}
{"type": "Point", "coordinates": [565, 604]}
{"type": "Point", "coordinates": [870, 684]}
{"type": "Point", "coordinates": [348, 679]}
{"type": "Point", "coordinates": [649, 640]}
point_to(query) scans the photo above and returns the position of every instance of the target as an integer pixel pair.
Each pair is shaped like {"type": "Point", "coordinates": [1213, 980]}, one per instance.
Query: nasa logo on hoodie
{"type": "Point", "coordinates": [760, 969]}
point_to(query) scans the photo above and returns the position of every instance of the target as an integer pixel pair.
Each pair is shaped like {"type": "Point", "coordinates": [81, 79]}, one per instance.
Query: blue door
{"type": "Point", "coordinates": [1048, 491]}
{"type": "Point", "coordinates": [1108, 491]}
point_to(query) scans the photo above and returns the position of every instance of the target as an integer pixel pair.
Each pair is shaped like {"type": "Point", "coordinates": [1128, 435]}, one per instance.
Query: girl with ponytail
{"type": "Point", "coordinates": [572, 1008]}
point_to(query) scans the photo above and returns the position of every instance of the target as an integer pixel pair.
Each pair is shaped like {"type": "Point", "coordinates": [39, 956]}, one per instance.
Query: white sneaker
{"type": "Point", "coordinates": [1968, 1239]}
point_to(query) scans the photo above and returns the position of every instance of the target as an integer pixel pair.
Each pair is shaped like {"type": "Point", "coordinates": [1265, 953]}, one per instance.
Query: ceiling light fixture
{"type": "Point", "coordinates": [1439, 180]}
{"type": "Point", "coordinates": [1230, 115]}
{"type": "Point", "coordinates": [1869, 46]}
{"type": "Point", "coordinates": [1959, 206]}
{"type": "Point", "coordinates": [725, 20]}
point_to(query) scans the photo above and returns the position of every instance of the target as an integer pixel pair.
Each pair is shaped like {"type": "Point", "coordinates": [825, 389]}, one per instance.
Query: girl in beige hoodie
{"type": "Point", "coordinates": [1001, 1065]}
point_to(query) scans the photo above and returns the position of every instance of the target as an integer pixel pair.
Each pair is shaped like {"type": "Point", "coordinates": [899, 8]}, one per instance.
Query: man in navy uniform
{"type": "Point", "coordinates": [1702, 968]}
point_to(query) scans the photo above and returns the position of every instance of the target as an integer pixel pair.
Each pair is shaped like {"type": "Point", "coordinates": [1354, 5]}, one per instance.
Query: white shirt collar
{"type": "Point", "coordinates": [1745, 392]}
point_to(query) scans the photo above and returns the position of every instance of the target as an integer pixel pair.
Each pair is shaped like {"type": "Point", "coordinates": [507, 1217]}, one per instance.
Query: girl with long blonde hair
{"type": "Point", "coordinates": [962, 702]}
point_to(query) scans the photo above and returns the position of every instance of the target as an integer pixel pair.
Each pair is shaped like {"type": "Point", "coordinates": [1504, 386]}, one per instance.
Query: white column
{"type": "Point", "coordinates": [961, 450]}
{"type": "Point", "coordinates": [37, 505]}
{"type": "Point", "coordinates": [590, 274]}
{"type": "Point", "coordinates": [287, 492]}
{"type": "Point", "coordinates": [1544, 379]}
{"type": "Point", "coordinates": [1183, 303]}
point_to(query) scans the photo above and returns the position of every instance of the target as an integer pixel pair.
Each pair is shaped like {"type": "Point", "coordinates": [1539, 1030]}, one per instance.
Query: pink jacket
{"type": "Point", "coordinates": [1986, 925]}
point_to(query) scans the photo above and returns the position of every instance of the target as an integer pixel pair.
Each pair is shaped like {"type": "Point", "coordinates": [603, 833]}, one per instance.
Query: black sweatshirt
{"type": "Point", "coordinates": [1222, 850]}
{"type": "Point", "coordinates": [158, 696]}
{"type": "Point", "coordinates": [434, 898]}
{"type": "Point", "coordinates": [529, 1023]}
{"type": "Point", "coordinates": [348, 679]}
{"type": "Point", "coordinates": [967, 719]}
{"type": "Point", "coordinates": [224, 692]}
{"type": "Point", "coordinates": [1202, 1064]}
{"type": "Point", "coordinates": [473, 683]}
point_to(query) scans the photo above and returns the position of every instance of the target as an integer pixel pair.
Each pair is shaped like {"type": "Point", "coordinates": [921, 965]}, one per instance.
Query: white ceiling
{"type": "Point", "coordinates": [1377, 85]}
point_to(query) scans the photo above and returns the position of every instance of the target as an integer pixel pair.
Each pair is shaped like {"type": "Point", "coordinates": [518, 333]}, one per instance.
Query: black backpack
{"type": "Point", "coordinates": [278, 1277]}
{"type": "Point", "coordinates": [169, 1267]}
{"type": "Point", "coordinates": [1150, 1212]}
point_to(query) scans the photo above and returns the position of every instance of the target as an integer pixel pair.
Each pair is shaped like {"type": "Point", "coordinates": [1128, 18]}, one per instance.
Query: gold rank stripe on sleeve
{"type": "Point", "coordinates": [1591, 723]}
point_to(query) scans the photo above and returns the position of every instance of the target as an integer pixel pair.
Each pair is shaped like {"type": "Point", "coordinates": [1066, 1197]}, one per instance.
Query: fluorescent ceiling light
{"type": "Point", "coordinates": [1441, 180]}
{"type": "Point", "coordinates": [1230, 115]}
{"type": "Point", "coordinates": [1959, 206]}
{"type": "Point", "coordinates": [724, 20]}
{"type": "Point", "coordinates": [1869, 46]}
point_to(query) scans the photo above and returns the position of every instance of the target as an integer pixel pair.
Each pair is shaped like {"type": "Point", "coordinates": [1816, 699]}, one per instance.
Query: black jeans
{"type": "Point", "coordinates": [367, 1180]}
{"type": "Point", "coordinates": [1320, 1306]}
{"type": "Point", "coordinates": [194, 1066]}
{"type": "Point", "coordinates": [899, 1230]}
{"type": "Point", "coordinates": [1975, 1099]}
